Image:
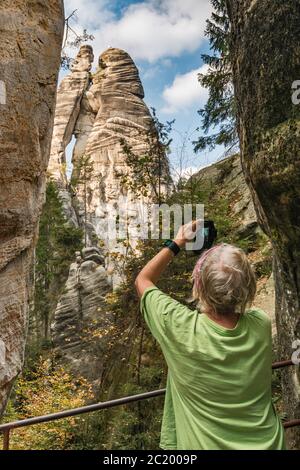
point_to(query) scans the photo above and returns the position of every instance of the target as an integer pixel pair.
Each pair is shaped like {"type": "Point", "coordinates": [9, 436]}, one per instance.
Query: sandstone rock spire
{"type": "Point", "coordinates": [69, 96]}
{"type": "Point", "coordinates": [111, 108]}
{"type": "Point", "coordinates": [82, 325]}
{"type": "Point", "coordinates": [100, 110]}
{"type": "Point", "coordinates": [117, 96]}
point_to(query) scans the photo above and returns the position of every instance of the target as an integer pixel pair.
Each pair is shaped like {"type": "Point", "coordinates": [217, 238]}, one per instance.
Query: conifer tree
{"type": "Point", "coordinates": [219, 112]}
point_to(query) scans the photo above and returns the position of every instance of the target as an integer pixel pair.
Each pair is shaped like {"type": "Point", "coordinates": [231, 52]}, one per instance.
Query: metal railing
{"type": "Point", "coordinates": [7, 427]}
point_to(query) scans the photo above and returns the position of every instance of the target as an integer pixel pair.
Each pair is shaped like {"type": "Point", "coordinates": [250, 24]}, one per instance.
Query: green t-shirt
{"type": "Point", "coordinates": [219, 379]}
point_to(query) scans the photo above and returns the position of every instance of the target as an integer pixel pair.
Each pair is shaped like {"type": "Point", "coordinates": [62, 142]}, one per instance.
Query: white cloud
{"type": "Point", "coordinates": [184, 92]}
{"type": "Point", "coordinates": [90, 14]}
{"type": "Point", "coordinates": [149, 30]}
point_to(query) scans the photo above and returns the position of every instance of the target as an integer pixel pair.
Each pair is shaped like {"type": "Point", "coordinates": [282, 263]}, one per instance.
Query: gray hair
{"type": "Point", "coordinates": [225, 281]}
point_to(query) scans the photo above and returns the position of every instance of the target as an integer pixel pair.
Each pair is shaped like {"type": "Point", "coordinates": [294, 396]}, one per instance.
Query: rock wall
{"type": "Point", "coordinates": [264, 66]}
{"type": "Point", "coordinates": [81, 326]}
{"type": "Point", "coordinates": [30, 43]}
{"type": "Point", "coordinates": [227, 179]}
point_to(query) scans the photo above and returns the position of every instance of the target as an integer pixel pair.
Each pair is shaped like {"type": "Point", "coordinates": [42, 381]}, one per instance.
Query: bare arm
{"type": "Point", "coordinates": [150, 274]}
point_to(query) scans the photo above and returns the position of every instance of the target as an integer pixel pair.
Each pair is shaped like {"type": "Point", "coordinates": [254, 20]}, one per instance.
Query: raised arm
{"type": "Point", "coordinates": [150, 274]}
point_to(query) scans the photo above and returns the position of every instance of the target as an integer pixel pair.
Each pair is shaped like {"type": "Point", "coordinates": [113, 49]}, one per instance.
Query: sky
{"type": "Point", "coordinates": [165, 38]}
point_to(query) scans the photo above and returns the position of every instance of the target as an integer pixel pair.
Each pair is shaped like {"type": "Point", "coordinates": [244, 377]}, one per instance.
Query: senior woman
{"type": "Point", "coordinates": [219, 355]}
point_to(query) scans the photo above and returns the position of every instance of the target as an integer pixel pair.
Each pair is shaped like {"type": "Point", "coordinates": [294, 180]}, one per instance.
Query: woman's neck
{"type": "Point", "coordinates": [228, 320]}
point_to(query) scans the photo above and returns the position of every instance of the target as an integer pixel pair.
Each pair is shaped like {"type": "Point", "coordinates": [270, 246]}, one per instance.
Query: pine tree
{"type": "Point", "coordinates": [219, 111]}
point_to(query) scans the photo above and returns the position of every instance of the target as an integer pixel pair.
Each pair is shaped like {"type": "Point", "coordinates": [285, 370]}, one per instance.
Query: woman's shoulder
{"type": "Point", "coordinates": [258, 314]}
{"type": "Point", "coordinates": [158, 303]}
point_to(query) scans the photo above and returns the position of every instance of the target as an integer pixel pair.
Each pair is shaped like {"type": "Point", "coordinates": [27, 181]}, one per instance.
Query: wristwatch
{"type": "Point", "coordinates": [172, 246]}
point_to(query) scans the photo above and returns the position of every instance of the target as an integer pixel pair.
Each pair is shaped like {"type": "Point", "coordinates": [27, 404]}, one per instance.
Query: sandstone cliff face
{"type": "Point", "coordinates": [30, 42]}
{"type": "Point", "coordinates": [67, 110]}
{"type": "Point", "coordinates": [227, 179]}
{"type": "Point", "coordinates": [68, 105]}
{"type": "Point", "coordinates": [269, 131]}
{"type": "Point", "coordinates": [100, 110]}
{"type": "Point", "coordinates": [81, 324]}
{"type": "Point", "coordinates": [117, 96]}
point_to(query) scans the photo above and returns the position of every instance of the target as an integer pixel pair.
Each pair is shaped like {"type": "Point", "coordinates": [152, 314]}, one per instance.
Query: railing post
{"type": "Point", "coordinates": [6, 439]}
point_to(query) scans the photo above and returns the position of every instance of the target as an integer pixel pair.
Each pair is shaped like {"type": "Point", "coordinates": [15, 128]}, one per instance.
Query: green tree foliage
{"type": "Point", "coordinates": [219, 111]}
{"type": "Point", "coordinates": [44, 390]}
{"type": "Point", "coordinates": [83, 171]}
{"type": "Point", "coordinates": [148, 172]}
{"type": "Point", "coordinates": [57, 243]}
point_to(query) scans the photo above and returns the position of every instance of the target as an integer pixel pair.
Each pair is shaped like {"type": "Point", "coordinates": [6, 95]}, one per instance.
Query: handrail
{"type": "Point", "coordinates": [83, 409]}
{"type": "Point", "coordinates": [7, 427]}
{"type": "Point", "coordinates": [281, 364]}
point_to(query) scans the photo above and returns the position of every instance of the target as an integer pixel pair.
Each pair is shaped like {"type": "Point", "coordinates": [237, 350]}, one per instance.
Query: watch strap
{"type": "Point", "coordinates": [172, 246]}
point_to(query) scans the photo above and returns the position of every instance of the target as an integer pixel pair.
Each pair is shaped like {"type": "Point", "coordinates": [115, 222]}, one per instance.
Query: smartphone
{"type": "Point", "coordinates": [210, 234]}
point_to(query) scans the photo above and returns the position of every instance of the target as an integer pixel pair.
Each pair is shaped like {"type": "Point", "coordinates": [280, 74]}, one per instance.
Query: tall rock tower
{"type": "Point", "coordinates": [68, 107]}
{"type": "Point", "coordinates": [99, 111]}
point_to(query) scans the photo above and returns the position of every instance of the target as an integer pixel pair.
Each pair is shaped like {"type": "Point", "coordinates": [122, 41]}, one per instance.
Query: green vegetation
{"type": "Point", "coordinates": [219, 110]}
{"type": "Point", "coordinates": [138, 426]}
{"type": "Point", "coordinates": [42, 390]}
{"type": "Point", "coordinates": [57, 243]}
{"type": "Point", "coordinates": [148, 173]}
{"type": "Point", "coordinates": [83, 171]}
{"type": "Point", "coordinates": [133, 360]}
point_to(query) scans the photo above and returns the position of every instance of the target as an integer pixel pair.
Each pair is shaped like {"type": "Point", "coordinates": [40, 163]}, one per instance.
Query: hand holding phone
{"type": "Point", "coordinates": [187, 232]}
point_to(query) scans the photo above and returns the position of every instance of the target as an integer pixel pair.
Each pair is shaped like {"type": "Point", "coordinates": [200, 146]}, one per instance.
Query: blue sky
{"type": "Point", "coordinates": [165, 38]}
